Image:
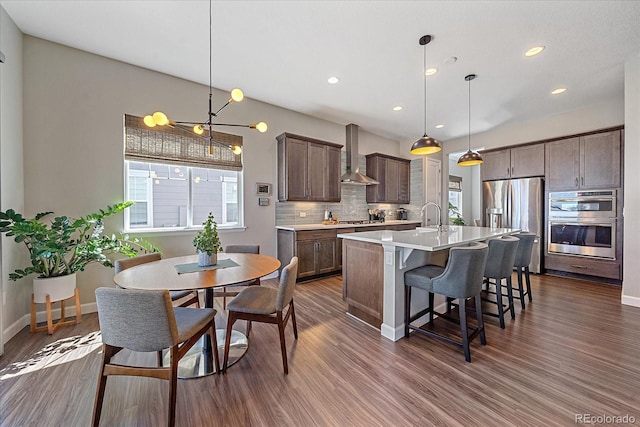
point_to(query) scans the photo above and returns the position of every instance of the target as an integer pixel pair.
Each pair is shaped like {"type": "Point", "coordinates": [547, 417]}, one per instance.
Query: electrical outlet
{"type": "Point", "coordinates": [388, 258]}
{"type": "Point", "coordinates": [303, 214]}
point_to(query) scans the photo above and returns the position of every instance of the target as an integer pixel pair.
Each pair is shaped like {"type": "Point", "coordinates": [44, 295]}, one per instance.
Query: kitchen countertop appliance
{"type": "Point", "coordinates": [517, 203]}
{"type": "Point", "coordinates": [401, 214]}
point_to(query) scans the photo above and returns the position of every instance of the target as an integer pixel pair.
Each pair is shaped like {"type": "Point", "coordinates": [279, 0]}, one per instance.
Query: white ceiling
{"type": "Point", "coordinates": [282, 52]}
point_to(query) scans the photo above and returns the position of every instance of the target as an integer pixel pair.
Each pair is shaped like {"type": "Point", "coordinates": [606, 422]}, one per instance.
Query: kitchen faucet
{"type": "Point", "coordinates": [423, 213]}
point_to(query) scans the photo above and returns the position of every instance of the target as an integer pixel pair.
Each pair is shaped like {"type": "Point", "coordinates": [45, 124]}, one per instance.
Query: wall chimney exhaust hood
{"type": "Point", "coordinates": [354, 177]}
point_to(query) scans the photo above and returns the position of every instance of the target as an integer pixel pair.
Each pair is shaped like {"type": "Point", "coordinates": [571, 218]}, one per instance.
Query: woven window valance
{"type": "Point", "coordinates": [178, 146]}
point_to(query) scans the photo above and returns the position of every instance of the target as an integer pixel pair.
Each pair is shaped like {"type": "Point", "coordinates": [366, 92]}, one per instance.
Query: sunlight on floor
{"type": "Point", "coordinates": [62, 351]}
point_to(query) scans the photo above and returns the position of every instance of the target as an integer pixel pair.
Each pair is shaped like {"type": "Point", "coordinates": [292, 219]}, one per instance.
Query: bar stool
{"type": "Point", "coordinates": [460, 279]}
{"type": "Point", "coordinates": [523, 259]}
{"type": "Point", "coordinates": [502, 255]}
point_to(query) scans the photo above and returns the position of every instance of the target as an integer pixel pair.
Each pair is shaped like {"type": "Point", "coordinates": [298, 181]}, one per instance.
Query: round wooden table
{"type": "Point", "coordinates": [162, 274]}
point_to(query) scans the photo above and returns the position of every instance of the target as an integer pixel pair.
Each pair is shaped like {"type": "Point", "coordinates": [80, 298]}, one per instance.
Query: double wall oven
{"type": "Point", "coordinates": [582, 223]}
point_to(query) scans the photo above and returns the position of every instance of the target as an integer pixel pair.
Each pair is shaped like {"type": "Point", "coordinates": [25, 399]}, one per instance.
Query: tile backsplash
{"type": "Point", "coordinates": [353, 204]}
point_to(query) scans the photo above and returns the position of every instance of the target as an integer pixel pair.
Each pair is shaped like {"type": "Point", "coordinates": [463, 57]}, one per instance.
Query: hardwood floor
{"type": "Point", "coordinates": [574, 350]}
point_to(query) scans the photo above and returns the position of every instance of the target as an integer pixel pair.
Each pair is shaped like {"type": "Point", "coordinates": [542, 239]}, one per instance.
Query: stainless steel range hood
{"type": "Point", "coordinates": [354, 177]}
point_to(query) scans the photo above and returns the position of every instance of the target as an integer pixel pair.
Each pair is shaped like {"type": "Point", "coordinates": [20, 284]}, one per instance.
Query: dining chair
{"type": "Point", "coordinates": [460, 279]}
{"type": "Point", "coordinates": [238, 249]}
{"type": "Point", "coordinates": [521, 264]}
{"type": "Point", "coordinates": [266, 305]}
{"type": "Point", "coordinates": [146, 321]}
{"type": "Point", "coordinates": [124, 263]}
{"type": "Point", "coordinates": [500, 261]}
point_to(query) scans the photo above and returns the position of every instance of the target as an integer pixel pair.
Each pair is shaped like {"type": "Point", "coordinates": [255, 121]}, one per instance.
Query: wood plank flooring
{"type": "Point", "coordinates": [574, 350]}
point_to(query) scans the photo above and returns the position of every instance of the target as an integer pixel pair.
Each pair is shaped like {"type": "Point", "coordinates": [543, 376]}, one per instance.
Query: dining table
{"type": "Point", "coordinates": [183, 273]}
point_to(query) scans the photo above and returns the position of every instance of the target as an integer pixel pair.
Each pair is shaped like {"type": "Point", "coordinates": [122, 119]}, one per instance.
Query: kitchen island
{"type": "Point", "coordinates": [374, 263]}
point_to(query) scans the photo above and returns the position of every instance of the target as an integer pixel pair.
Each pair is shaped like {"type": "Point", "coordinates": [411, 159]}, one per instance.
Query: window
{"type": "Point", "coordinates": [170, 196]}
{"type": "Point", "coordinates": [175, 179]}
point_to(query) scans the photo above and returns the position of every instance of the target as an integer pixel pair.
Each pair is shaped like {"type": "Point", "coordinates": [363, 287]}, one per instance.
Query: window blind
{"type": "Point", "coordinates": [174, 145]}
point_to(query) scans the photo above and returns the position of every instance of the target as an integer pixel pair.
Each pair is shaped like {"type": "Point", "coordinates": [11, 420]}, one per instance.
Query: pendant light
{"type": "Point", "coordinates": [426, 144]}
{"type": "Point", "coordinates": [470, 158]}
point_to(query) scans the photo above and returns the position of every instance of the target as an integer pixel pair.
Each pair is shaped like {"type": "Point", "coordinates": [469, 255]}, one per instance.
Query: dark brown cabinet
{"type": "Point", "coordinates": [319, 251]}
{"type": "Point", "coordinates": [308, 169]}
{"type": "Point", "coordinates": [518, 162]}
{"type": "Point", "coordinates": [393, 173]}
{"type": "Point", "coordinates": [589, 162]}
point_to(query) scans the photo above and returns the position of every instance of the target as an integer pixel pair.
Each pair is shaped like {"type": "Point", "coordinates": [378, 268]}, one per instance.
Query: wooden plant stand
{"type": "Point", "coordinates": [51, 327]}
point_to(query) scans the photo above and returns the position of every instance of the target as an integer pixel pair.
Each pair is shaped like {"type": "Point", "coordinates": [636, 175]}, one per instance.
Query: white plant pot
{"type": "Point", "coordinates": [205, 260]}
{"type": "Point", "coordinates": [58, 288]}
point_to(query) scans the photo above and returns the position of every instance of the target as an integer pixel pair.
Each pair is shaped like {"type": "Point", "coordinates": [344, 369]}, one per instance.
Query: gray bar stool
{"type": "Point", "coordinates": [523, 259]}
{"type": "Point", "coordinates": [502, 255]}
{"type": "Point", "coordinates": [461, 279]}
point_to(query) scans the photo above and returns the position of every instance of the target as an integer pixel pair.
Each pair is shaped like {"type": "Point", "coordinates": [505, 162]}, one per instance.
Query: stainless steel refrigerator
{"type": "Point", "coordinates": [516, 203]}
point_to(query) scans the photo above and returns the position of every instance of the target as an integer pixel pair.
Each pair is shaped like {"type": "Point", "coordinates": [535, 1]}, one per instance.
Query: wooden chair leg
{"type": "Point", "coordinates": [214, 346]}
{"type": "Point", "coordinates": [173, 385]}
{"type": "Point", "coordinates": [224, 298]}
{"type": "Point", "coordinates": [462, 310]}
{"type": "Point", "coordinates": [107, 354]}
{"type": "Point", "coordinates": [283, 345]}
{"type": "Point", "coordinates": [293, 319]}
{"type": "Point", "coordinates": [227, 340]}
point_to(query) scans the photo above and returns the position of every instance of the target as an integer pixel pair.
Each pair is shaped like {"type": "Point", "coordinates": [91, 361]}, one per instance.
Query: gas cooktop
{"type": "Point", "coordinates": [362, 221]}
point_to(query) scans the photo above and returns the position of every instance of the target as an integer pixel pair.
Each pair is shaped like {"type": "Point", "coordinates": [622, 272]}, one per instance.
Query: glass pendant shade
{"type": "Point", "coordinates": [425, 145]}
{"type": "Point", "coordinates": [470, 158]}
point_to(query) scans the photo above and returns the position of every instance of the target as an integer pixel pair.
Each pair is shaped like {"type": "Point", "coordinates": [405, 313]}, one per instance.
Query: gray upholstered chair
{"type": "Point", "coordinates": [502, 255]}
{"type": "Point", "coordinates": [460, 279]}
{"type": "Point", "coordinates": [238, 249]}
{"type": "Point", "coordinates": [124, 263]}
{"type": "Point", "coordinates": [146, 321]}
{"type": "Point", "coordinates": [521, 263]}
{"type": "Point", "coordinates": [266, 305]}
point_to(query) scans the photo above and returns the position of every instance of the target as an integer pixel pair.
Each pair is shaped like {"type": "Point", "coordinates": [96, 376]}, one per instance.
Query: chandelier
{"type": "Point", "coordinates": [205, 128]}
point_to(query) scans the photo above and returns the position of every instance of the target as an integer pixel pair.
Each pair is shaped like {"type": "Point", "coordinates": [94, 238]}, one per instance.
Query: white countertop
{"type": "Point", "coordinates": [303, 227]}
{"type": "Point", "coordinates": [430, 239]}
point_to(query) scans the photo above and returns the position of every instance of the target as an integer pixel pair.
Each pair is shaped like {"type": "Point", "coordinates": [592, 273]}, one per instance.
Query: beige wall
{"type": "Point", "coordinates": [14, 295]}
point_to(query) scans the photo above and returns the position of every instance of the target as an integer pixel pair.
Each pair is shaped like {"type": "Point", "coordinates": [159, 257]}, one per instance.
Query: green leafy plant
{"type": "Point", "coordinates": [207, 239]}
{"type": "Point", "coordinates": [67, 245]}
{"type": "Point", "coordinates": [454, 215]}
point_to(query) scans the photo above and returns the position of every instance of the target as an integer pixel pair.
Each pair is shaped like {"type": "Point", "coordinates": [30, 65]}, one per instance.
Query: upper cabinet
{"type": "Point", "coordinates": [308, 169]}
{"type": "Point", "coordinates": [518, 162]}
{"type": "Point", "coordinates": [393, 175]}
{"type": "Point", "coordinates": [590, 161]}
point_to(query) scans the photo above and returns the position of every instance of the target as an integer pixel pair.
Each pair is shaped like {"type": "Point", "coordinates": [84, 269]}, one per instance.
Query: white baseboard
{"type": "Point", "coordinates": [633, 301]}
{"type": "Point", "coordinates": [41, 316]}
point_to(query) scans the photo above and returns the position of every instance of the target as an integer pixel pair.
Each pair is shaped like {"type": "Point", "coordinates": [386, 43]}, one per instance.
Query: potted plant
{"type": "Point", "coordinates": [457, 220]}
{"type": "Point", "coordinates": [207, 243]}
{"type": "Point", "coordinates": [63, 246]}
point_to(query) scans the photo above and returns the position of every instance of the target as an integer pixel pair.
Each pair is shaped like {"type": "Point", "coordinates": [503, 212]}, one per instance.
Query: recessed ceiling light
{"type": "Point", "coordinates": [451, 60]}
{"type": "Point", "coordinates": [534, 51]}
{"type": "Point", "coordinates": [430, 71]}
{"type": "Point", "coordinates": [333, 80]}
{"type": "Point", "coordinates": [397, 108]}
{"type": "Point", "coordinates": [439, 126]}
{"type": "Point", "coordinates": [558, 91]}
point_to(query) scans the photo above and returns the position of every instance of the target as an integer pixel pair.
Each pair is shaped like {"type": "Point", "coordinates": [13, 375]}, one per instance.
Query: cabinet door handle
{"type": "Point", "coordinates": [579, 266]}
{"type": "Point", "coordinates": [583, 180]}
{"type": "Point", "coordinates": [507, 171]}
{"type": "Point", "coordinates": [511, 170]}
{"type": "Point", "coordinates": [576, 181]}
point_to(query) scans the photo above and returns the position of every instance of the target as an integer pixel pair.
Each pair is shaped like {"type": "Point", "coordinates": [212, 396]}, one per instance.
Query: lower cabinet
{"type": "Point", "coordinates": [363, 280]}
{"type": "Point", "coordinates": [319, 251]}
